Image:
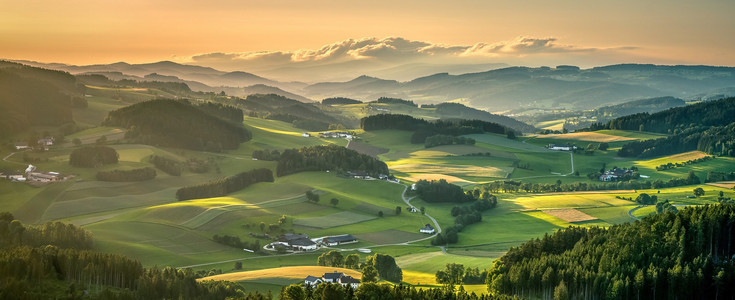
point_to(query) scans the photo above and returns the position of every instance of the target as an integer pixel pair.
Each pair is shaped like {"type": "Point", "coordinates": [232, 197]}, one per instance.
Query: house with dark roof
{"type": "Point", "coordinates": [332, 277]}
{"type": "Point", "coordinates": [428, 229]}
{"type": "Point", "coordinates": [302, 244]}
{"type": "Point", "coordinates": [312, 281]}
{"type": "Point", "coordinates": [349, 281]}
{"type": "Point", "coordinates": [561, 147]}
{"type": "Point", "coordinates": [339, 240]}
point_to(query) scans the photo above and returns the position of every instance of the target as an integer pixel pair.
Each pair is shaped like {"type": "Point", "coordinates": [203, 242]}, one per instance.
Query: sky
{"type": "Point", "coordinates": [267, 35]}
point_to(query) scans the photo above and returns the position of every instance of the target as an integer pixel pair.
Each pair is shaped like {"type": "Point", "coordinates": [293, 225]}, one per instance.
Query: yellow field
{"type": "Point", "coordinates": [681, 157]}
{"type": "Point", "coordinates": [588, 136]}
{"type": "Point", "coordinates": [569, 215]}
{"type": "Point", "coordinates": [419, 278]}
{"type": "Point", "coordinates": [299, 272]}
{"type": "Point", "coordinates": [463, 170]}
{"type": "Point", "coordinates": [576, 200]}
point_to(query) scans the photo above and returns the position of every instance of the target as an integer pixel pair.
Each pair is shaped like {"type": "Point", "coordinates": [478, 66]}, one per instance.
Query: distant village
{"type": "Point", "coordinates": [31, 173]}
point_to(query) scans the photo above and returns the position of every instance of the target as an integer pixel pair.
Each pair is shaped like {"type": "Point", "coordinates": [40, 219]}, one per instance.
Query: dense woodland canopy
{"type": "Point", "coordinates": [224, 186]}
{"type": "Point", "coordinates": [684, 255]}
{"type": "Point", "coordinates": [33, 96]}
{"type": "Point", "coordinates": [340, 100]}
{"type": "Point", "coordinates": [140, 174]}
{"type": "Point", "coordinates": [330, 157]}
{"type": "Point", "coordinates": [179, 124]}
{"type": "Point", "coordinates": [93, 156]}
{"type": "Point", "coordinates": [460, 111]}
{"type": "Point", "coordinates": [301, 115]}
{"type": "Point", "coordinates": [423, 129]}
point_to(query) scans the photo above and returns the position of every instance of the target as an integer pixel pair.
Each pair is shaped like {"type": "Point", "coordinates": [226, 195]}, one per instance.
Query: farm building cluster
{"type": "Point", "coordinates": [616, 174]}
{"type": "Point", "coordinates": [336, 135]}
{"type": "Point", "coordinates": [41, 144]}
{"type": "Point", "coordinates": [334, 277]}
{"type": "Point", "coordinates": [561, 147]}
{"type": "Point", "coordinates": [31, 174]}
{"type": "Point", "coordinates": [302, 242]}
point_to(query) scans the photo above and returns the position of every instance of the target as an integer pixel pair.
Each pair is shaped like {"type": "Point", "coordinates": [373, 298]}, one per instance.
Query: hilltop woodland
{"type": "Point", "coordinates": [423, 129]}
{"type": "Point", "coordinates": [175, 123]}
{"type": "Point", "coordinates": [55, 260]}
{"type": "Point", "coordinates": [340, 100]}
{"type": "Point", "coordinates": [302, 115]}
{"type": "Point", "coordinates": [683, 255]}
{"type": "Point", "coordinates": [93, 156]}
{"type": "Point", "coordinates": [324, 158]}
{"type": "Point", "coordinates": [141, 174]}
{"type": "Point", "coordinates": [705, 126]}
{"type": "Point", "coordinates": [32, 96]}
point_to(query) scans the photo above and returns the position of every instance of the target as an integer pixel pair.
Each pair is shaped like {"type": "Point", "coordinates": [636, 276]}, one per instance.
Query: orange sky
{"type": "Point", "coordinates": [136, 31]}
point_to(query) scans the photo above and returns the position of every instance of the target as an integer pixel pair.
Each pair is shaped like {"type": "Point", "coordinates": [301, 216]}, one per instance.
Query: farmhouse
{"type": "Point", "coordinates": [359, 175]}
{"type": "Point", "coordinates": [428, 229]}
{"type": "Point", "coordinates": [334, 277]}
{"type": "Point", "coordinates": [21, 145]}
{"type": "Point", "coordinates": [339, 240]}
{"type": "Point", "coordinates": [47, 141]}
{"type": "Point", "coordinates": [616, 174]}
{"type": "Point", "coordinates": [312, 281]}
{"type": "Point", "coordinates": [561, 147]}
{"type": "Point", "coordinates": [43, 176]}
{"type": "Point", "coordinates": [302, 244]}
{"type": "Point", "coordinates": [305, 134]}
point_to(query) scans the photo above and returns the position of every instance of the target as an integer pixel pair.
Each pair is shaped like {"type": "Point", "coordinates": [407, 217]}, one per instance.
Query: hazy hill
{"type": "Point", "coordinates": [302, 115]}
{"type": "Point", "coordinates": [650, 105]}
{"type": "Point", "coordinates": [177, 124]}
{"type": "Point", "coordinates": [32, 96]}
{"type": "Point", "coordinates": [265, 89]}
{"type": "Point", "coordinates": [456, 110]}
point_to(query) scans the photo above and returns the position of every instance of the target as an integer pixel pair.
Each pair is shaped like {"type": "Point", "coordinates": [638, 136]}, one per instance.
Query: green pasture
{"type": "Point", "coordinates": [333, 220]}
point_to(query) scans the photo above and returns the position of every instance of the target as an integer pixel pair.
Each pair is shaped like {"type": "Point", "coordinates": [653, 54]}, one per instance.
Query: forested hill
{"type": "Point", "coordinates": [684, 255]}
{"type": "Point", "coordinates": [650, 105]}
{"type": "Point", "coordinates": [176, 123]}
{"type": "Point", "coordinates": [302, 115]}
{"type": "Point", "coordinates": [456, 110]}
{"type": "Point", "coordinates": [33, 96]}
{"type": "Point", "coordinates": [423, 129]}
{"type": "Point", "coordinates": [711, 113]}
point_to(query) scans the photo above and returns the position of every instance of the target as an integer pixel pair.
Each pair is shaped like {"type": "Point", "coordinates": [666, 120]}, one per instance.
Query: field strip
{"type": "Point", "coordinates": [214, 212]}
{"type": "Point", "coordinates": [294, 272]}
{"type": "Point", "coordinates": [723, 184]}
{"type": "Point", "coordinates": [276, 131]}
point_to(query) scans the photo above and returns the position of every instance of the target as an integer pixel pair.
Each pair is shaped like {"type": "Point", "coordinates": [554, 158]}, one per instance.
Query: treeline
{"type": "Point", "coordinates": [672, 121]}
{"type": "Point", "coordinates": [340, 100]}
{"type": "Point", "coordinates": [177, 124]}
{"type": "Point", "coordinates": [225, 112]}
{"type": "Point", "coordinates": [272, 155]}
{"type": "Point", "coordinates": [170, 166]}
{"type": "Point", "coordinates": [93, 156]}
{"type": "Point", "coordinates": [441, 191]}
{"type": "Point", "coordinates": [33, 96]}
{"type": "Point", "coordinates": [454, 274]}
{"type": "Point", "coordinates": [389, 100]}
{"type": "Point", "coordinates": [141, 174]}
{"type": "Point", "coordinates": [14, 233]}
{"type": "Point", "coordinates": [224, 186]}
{"type": "Point", "coordinates": [464, 216]}
{"type": "Point", "coordinates": [513, 186]}
{"type": "Point", "coordinates": [371, 291]}
{"type": "Point", "coordinates": [330, 157]}
{"type": "Point", "coordinates": [670, 166]}
{"type": "Point", "coordinates": [234, 241]}
{"type": "Point", "coordinates": [442, 139]}
{"type": "Point", "coordinates": [714, 176]}
{"type": "Point", "coordinates": [460, 111]}
{"type": "Point", "coordinates": [718, 140]}
{"type": "Point", "coordinates": [301, 115]}
{"type": "Point", "coordinates": [423, 129]}
{"type": "Point", "coordinates": [684, 255]}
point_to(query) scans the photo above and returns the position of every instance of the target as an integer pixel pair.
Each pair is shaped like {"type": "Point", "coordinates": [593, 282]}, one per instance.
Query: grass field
{"type": "Point", "coordinates": [334, 220]}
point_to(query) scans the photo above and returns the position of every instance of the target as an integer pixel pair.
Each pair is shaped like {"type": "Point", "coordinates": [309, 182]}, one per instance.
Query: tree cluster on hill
{"type": "Point", "coordinates": [302, 115]}
{"type": "Point", "coordinates": [423, 129]}
{"type": "Point", "coordinates": [272, 155]}
{"type": "Point", "coordinates": [340, 100]}
{"type": "Point", "coordinates": [443, 139]}
{"type": "Point", "coordinates": [93, 156]}
{"type": "Point", "coordinates": [649, 105]}
{"type": "Point", "coordinates": [234, 241]}
{"type": "Point", "coordinates": [669, 166]}
{"type": "Point", "coordinates": [177, 124]}
{"type": "Point", "coordinates": [386, 267]}
{"type": "Point", "coordinates": [466, 215]}
{"type": "Point", "coordinates": [140, 174]}
{"type": "Point", "coordinates": [457, 110]}
{"type": "Point", "coordinates": [457, 274]}
{"type": "Point", "coordinates": [33, 96]}
{"type": "Point", "coordinates": [646, 199]}
{"type": "Point", "coordinates": [441, 191]}
{"type": "Point", "coordinates": [14, 233]}
{"type": "Point", "coordinates": [170, 166]}
{"type": "Point", "coordinates": [224, 186]}
{"type": "Point", "coordinates": [330, 157]}
{"type": "Point", "coordinates": [389, 100]}
{"type": "Point", "coordinates": [670, 255]}
{"type": "Point", "coordinates": [225, 112]}
{"type": "Point", "coordinates": [719, 140]}
{"type": "Point", "coordinates": [714, 176]}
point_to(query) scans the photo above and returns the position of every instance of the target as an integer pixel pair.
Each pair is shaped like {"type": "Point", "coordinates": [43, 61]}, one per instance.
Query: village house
{"type": "Point", "coordinates": [298, 242]}
{"type": "Point", "coordinates": [21, 145]}
{"type": "Point", "coordinates": [359, 175]}
{"type": "Point", "coordinates": [339, 240]}
{"type": "Point", "coordinates": [305, 134]}
{"type": "Point", "coordinates": [312, 281]}
{"type": "Point", "coordinates": [428, 229]}
{"type": "Point", "coordinates": [334, 277]}
{"type": "Point", "coordinates": [615, 174]}
{"type": "Point", "coordinates": [561, 147]}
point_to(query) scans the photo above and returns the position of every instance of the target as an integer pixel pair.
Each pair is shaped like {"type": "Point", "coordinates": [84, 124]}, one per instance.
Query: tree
{"type": "Point", "coordinates": [262, 226]}
{"type": "Point", "coordinates": [101, 141]}
{"type": "Point", "coordinates": [398, 210]}
{"type": "Point", "coordinates": [293, 292]}
{"type": "Point", "coordinates": [77, 142]}
{"type": "Point", "coordinates": [510, 134]}
{"type": "Point", "coordinates": [369, 274]}
{"type": "Point", "coordinates": [334, 201]}
{"type": "Point", "coordinates": [386, 266]}
{"type": "Point", "coordinates": [603, 146]}
{"type": "Point", "coordinates": [451, 274]}
{"type": "Point", "coordinates": [380, 214]}
{"type": "Point", "coordinates": [238, 265]}
{"type": "Point", "coordinates": [332, 258]}
{"type": "Point", "coordinates": [699, 192]}
{"type": "Point", "coordinates": [561, 292]}
{"type": "Point", "coordinates": [423, 210]}
{"type": "Point", "coordinates": [352, 261]}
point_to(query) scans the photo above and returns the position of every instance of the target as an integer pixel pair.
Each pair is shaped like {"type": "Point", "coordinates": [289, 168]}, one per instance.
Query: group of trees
{"type": "Point", "coordinates": [460, 111]}
{"type": "Point", "coordinates": [340, 100]}
{"type": "Point", "coordinates": [93, 156]}
{"type": "Point", "coordinates": [441, 191]}
{"type": "Point", "coordinates": [456, 274]}
{"type": "Point", "coordinates": [140, 174]}
{"type": "Point", "coordinates": [177, 123]}
{"type": "Point", "coordinates": [330, 157]}
{"type": "Point", "coordinates": [272, 155]}
{"type": "Point", "coordinates": [302, 115]}
{"type": "Point", "coordinates": [386, 267]}
{"type": "Point", "coordinates": [463, 215]}
{"type": "Point", "coordinates": [443, 139]}
{"type": "Point", "coordinates": [370, 291]}
{"type": "Point", "coordinates": [670, 255]}
{"type": "Point", "coordinates": [235, 241]}
{"type": "Point", "coordinates": [423, 129]}
{"type": "Point", "coordinates": [165, 164]}
{"type": "Point", "coordinates": [646, 199]}
{"type": "Point", "coordinates": [225, 112]}
{"type": "Point", "coordinates": [714, 176]}
{"type": "Point", "coordinates": [335, 258]}
{"type": "Point", "coordinates": [513, 186]}
{"type": "Point", "coordinates": [224, 186]}
{"type": "Point", "coordinates": [671, 165]}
